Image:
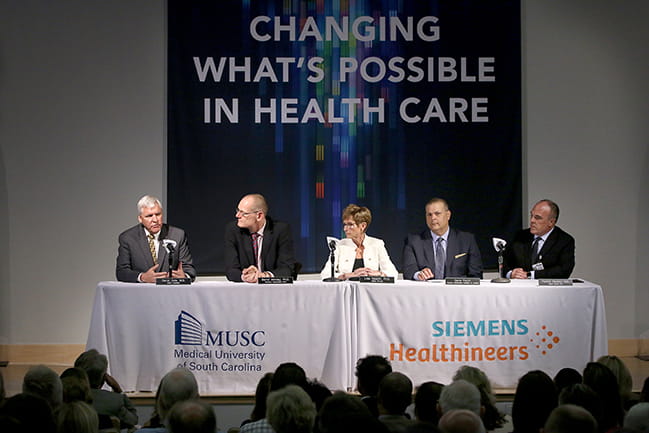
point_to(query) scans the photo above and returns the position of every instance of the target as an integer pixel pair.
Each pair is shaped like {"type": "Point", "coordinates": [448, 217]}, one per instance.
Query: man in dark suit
{"type": "Point", "coordinates": [543, 250]}
{"type": "Point", "coordinates": [440, 251]}
{"type": "Point", "coordinates": [255, 245]}
{"type": "Point", "coordinates": [142, 256]}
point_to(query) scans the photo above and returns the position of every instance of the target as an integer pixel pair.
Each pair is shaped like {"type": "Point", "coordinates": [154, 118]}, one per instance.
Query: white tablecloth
{"type": "Point", "coordinates": [230, 334]}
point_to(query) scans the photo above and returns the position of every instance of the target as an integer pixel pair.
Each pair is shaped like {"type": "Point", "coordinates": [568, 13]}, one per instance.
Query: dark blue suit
{"type": "Point", "coordinates": [462, 255]}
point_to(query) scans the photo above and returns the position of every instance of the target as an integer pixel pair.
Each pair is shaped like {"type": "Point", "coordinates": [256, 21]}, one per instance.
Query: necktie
{"type": "Point", "coordinates": [535, 251]}
{"type": "Point", "coordinates": [440, 258]}
{"type": "Point", "coordinates": [255, 247]}
{"type": "Point", "coordinates": [152, 248]}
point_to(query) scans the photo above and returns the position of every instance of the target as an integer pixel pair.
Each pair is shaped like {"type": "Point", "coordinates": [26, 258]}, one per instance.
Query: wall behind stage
{"type": "Point", "coordinates": [82, 127]}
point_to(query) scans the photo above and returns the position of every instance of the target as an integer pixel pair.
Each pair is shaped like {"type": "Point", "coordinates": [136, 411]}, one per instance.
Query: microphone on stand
{"type": "Point", "coordinates": [170, 245]}
{"type": "Point", "coordinates": [332, 257]}
{"type": "Point", "coordinates": [500, 245]}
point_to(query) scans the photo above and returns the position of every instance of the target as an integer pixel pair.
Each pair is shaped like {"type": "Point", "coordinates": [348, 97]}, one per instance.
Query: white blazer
{"type": "Point", "coordinates": [375, 256]}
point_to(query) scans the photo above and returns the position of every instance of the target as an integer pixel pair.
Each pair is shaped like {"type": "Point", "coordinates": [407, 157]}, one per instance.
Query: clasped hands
{"type": "Point", "coordinates": [251, 274]}
{"type": "Point", "coordinates": [151, 275]}
{"type": "Point", "coordinates": [362, 272]}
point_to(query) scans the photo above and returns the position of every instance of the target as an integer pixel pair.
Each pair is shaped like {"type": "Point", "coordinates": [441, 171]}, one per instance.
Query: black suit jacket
{"type": "Point", "coordinates": [276, 252]}
{"type": "Point", "coordinates": [557, 254]}
{"type": "Point", "coordinates": [134, 256]}
{"type": "Point", "coordinates": [462, 255]}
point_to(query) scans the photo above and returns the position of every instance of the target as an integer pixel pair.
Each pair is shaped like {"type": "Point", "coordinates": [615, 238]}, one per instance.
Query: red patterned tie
{"type": "Point", "coordinates": [255, 247]}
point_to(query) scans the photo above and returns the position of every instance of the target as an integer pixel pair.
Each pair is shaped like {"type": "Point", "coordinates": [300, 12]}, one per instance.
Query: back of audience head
{"type": "Point", "coordinates": [344, 413]}
{"type": "Point", "coordinates": [583, 396]}
{"type": "Point", "coordinates": [290, 410]}
{"type": "Point", "coordinates": [369, 372]}
{"type": "Point", "coordinates": [395, 393]}
{"type": "Point", "coordinates": [176, 386]}
{"type": "Point", "coordinates": [30, 413]}
{"type": "Point", "coordinates": [569, 418]}
{"type": "Point", "coordinates": [191, 416]}
{"type": "Point", "coordinates": [76, 417]}
{"type": "Point", "coordinates": [460, 394]}
{"type": "Point", "coordinates": [566, 377]}
{"type": "Point", "coordinates": [318, 392]}
{"type": "Point", "coordinates": [621, 373]}
{"type": "Point", "coordinates": [535, 397]}
{"type": "Point", "coordinates": [461, 421]}
{"type": "Point", "coordinates": [76, 386]}
{"type": "Point", "coordinates": [261, 393]}
{"type": "Point", "coordinates": [426, 399]}
{"type": "Point", "coordinates": [95, 365]}
{"type": "Point", "coordinates": [637, 418]}
{"type": "Point", "coordinates": [288, 373]}
{"type": "Point", "coordinates": [491, 417]}
{"type": "Point", "coordinates": [43, 382]}
{"type": "Point", "coordinates": [602, 380]}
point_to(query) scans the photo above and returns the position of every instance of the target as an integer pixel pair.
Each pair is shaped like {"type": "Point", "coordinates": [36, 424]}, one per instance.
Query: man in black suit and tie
{"type": "Point", "coordinates": [543, 250]}
{"type": "Point", "coordinates": [255, 245]}
{"type": "Point", "coordinates": [440, 251]}
{"type": "Point", "coordinates": [142, 256]}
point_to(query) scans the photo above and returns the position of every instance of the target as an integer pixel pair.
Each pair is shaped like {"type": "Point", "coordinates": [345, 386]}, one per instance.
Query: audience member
{"type": "Point", "coordinates": [624, 379]}
{"type": "Point", "coordinates": [491, 417]}
{"type": "Point", "coordinates": [76, 417]}
{"type": "Point", "coordinates": [395, 395]}
{"type": "Point", "coordinates": [191, 416]}
{"type": "Point", "coordinates": [261, 393]}
{"type": "Point", "coordinates": [43, 382]}
{"type": "Point", "coordinates": [460, 394]}
{"type": "Point", "coordinates": [426, 399]}
{"type": "Point", "coordinates": [344, 413]}
{"type": "Point", "coordinates": [569, 418]}
{"type": "Point", "coordinates": [583, 396]}
{"type": "Point", "coordinates": [290, 410]}
{"type": "Point", "coordinates": [76, 386]}
{"type": "Point", "coordinates": [318, 392]}
{"type": "Point", "coordinates": [110, 403]}
{"type": "Point", "coordinates": [461, 421]}
{"type": "Point", "coordinates": [566, 377]}
{"type": "Point", "coordinates": [603, 382]}
{"type": "Point", "coordinates": [536, 396]}
{"type": "Point", "coordinates": [369, 372]}
{"type": "Point", "coordinates": [27, 413]}
{"type": "Point", "coordinates": [644, 393]}
{"type": "Point", "coordinates": [637, 418]}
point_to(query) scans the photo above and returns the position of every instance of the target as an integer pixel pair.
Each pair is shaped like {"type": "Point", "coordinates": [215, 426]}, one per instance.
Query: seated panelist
{"type": "Point", "coordinates": [359, 255]}
{"type": "Point", "coordinates": [440, 251]}
{"type": "Point", "coordinates": [142, 256]}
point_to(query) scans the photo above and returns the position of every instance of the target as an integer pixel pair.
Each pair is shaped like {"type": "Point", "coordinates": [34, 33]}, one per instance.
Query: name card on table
{"type": "Point", "coordinates": [555, 282]}
{"type": "Point", "coordinates": [275, 280]}
{"type": "Point", "coordinates": [376, 279]}
{"type": "Point", "coordinates": [463, 281]}
{"type": "Point", "coordinates": [172, 281]}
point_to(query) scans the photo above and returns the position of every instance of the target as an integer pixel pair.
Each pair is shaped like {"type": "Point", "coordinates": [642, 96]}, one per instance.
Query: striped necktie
{"type": "Point", "coordinates": [152, 248]}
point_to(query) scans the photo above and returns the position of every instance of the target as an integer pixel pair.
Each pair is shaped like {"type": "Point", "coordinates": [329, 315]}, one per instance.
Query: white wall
{"type": "Point", "coordinates": [82, 130]}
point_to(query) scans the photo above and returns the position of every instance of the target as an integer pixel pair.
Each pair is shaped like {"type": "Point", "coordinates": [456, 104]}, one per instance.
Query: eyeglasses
{"type": "Point", "coordinates": [349, 225]}
{"type": "Point", "coordinates": [244, 213]}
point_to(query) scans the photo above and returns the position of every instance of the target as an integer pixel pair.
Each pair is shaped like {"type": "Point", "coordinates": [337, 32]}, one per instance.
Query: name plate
{"type": "Point", "coordinates": [376, 279]}
{"type": "Point", "coordinates": [172, 281]}
{"type": "Point", "coordinates": [463, 281]}
{"type": "Point", "coordinates": [275, 280]}
{"type": "Point", "coordinates": [555, 282]}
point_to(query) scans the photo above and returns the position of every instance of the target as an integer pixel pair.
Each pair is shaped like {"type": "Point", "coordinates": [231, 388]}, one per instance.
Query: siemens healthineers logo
{"type": "Point", "coordinates": [237, 349]}
{"type": "Point", "coordinates": [522, 342]}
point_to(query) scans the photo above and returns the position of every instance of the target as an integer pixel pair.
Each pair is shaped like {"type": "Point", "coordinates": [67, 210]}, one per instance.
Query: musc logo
{"type": "Point", "coordinates": [189, 331]}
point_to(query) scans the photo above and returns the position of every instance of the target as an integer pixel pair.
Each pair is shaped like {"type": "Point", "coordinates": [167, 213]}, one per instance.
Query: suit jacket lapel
{"type": "Point", "coordinates": [246, 241]}
{"type": "Point", "coordinates": [143, 244]}
{"type": "Point", "coordinates": [549, 242]}
{"type": "Point", "coordinates": [429, 253]}
{"type": "Point", "coordinates": [451, 250]}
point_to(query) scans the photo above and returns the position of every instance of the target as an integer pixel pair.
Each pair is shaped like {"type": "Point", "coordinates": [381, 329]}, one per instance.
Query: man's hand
{"type": "Point", "coordinates": [251, 274]}
{"type": "Point", "coordinates": [425, 274]}
{"type": "Point", "coordinates": [151, 275]}
{"type": "Point", "coordinates": [519, 273]}
{"type": "Point", "coordinates": [179, 273]}
{"type": "Point", "coordinates": [110, 381]}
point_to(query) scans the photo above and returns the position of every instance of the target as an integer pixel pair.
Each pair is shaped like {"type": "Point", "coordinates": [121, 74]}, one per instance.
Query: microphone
{"type": "Point", "coordinates": [499, 246]}
{"type": "Point", "coordinates": [332, 245]}
{"type": "Point", "coordinates": [170, 245]}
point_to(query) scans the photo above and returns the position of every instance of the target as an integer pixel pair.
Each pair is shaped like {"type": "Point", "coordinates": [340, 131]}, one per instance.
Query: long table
{"type": "Point", "coordinates": [230, 334]}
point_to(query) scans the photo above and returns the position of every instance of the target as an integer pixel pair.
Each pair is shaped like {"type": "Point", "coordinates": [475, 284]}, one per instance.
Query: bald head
{"type": "Point", "coordinates": [461, 421]}
{"type": "Point", "coordinates": [569, 418]}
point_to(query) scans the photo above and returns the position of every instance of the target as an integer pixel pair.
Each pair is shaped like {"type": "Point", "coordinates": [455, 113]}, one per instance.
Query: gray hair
{"type": "Point", "coordinates": [460, 394]}
{"type": "Point", "coordinates": [43, 382]}
{"type": "Point", "coordinates": [95, 365]}
{"type": "Point", "coordinates": [461, 420]}
{"type": "Point", "coordinates": [569, 418]}
{"type": "Point", "coordinates": [176, 386]}
{"type": "Point", "coordinates": [146, 202]}
{"type": "Point", "coordinates": [191, 416]}
{"type": "Point", "coordinates": [637, 418]}
{"type": "Point", "coordinates": [290, 410]}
